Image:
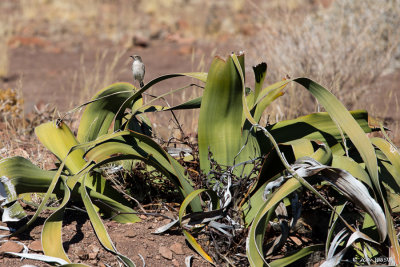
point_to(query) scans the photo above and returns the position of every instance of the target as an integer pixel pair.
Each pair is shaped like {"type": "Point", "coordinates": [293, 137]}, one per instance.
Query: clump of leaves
{"type": "Point", "coordinates": [253, 174]}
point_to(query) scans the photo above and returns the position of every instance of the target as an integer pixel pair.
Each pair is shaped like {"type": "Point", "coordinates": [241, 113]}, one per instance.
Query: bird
{"type": "Point", "coordinates": [138, 69]}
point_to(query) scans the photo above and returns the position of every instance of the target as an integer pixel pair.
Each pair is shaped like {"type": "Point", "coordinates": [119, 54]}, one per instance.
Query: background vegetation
{"type": "Point", "coordinates": [351, 47]}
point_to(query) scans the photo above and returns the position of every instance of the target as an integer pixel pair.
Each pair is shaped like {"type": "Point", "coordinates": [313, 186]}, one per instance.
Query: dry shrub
{"type": "Point", "coordinates": [345, 47]}
{"type": "Point", "coordinates": [120, 20]}
{"type": "Point", "coordinates": [11, 103]}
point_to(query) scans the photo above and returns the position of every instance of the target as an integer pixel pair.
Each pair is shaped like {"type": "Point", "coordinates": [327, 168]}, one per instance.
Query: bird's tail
{"type": "Point", "coordinates": [141, 84]}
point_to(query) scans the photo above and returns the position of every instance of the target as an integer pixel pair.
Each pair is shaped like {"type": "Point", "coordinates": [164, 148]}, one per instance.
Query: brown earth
{"type": "Point", "coordinates": [132, 240]}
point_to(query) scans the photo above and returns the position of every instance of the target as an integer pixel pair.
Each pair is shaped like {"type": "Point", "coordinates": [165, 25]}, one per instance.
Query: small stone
{"type": "Point", "coordinates": [36, 246]}
{"type": "Point", "coordinates": [165, 252]}
{"type": "Point", "coordinates": [166, 221]}
{"type": "Point", "coordinates": [101, 264]}
{"type": "Point", "coordinates": [177, 248]}
{"type": "Point", "coordinates": [92, 255]}
{"type": "Point", "coordinates": [94, 248]}
{"type": "Point", "coordinates": [175, 262]}
{"type": "Point", "coordinates": [143, 217]}
{"type": "Point", "coordinates": [81, 254]}
{"type": "Point", "coordinates": [158, 257]}
{"type": "Point", "coordinates": [130, 233]}
{"type": "Point", "coordinates": [140, 41]}
{"type": "Point", "coordinates": [10, 246]}
{"type": "Point", "coordinates": [296, 240]}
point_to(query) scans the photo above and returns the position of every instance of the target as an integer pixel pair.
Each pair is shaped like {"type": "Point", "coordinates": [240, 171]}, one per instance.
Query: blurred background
{"type": "Point", "coordinates": [55, 54]}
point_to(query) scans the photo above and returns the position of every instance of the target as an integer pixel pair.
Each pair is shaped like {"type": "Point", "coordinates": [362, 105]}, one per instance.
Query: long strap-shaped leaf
{"type": "Point", "coordinates": [146, 149]}
{"type": "Point", "coordinates": [391, 153]}
{"type": "Point", "coordinates": [197, 75]}
{"type": "Point", "coordinates": [99, 114]}
{"type": "Point", "coordinates": [340, 115]}
{"type": "Point", "coordinates": [109, 103]}
{"type": "Point", "coordinates": [51, 233]}
{"type": "Point", "coordinates": [220, 116]}
{"type": "Point", "coordinates": [256, 235]}
{"type": "Point", "coordinates": [99, 228]}
{"type": "Point", "coordinates": [192, 241]}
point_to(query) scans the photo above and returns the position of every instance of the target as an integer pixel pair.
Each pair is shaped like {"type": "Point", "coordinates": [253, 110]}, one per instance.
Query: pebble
{"type": "Point", "coordinates": [165, 252]}
{"type": "Point", "coordinates": [175, 262]}
{"type": "Point", "coordinates": [81, 254]}
{"type": "Point", "coordinates": [94, 248]}
{"type": "Point", "coordinates": [130, 233]}
{"type": "Point", "coordinates": [92, 255]}
{"type": "Point", "coordinates": [36, 246]}
{"type": "Point", "coordinates": [177, 248]}
{"type": "Point", "coordinates": [10, 246]}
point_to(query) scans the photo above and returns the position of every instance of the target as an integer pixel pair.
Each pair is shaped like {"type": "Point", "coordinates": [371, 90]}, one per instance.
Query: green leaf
{"type": "Point", "coordinates": [256, 236]}
{"type": "Point", "coordinates": [51, 233]}
{"type": "Point", "coordinates": [25, 176]}
{"type": "Point", "coordinates": [192, 241]}
{"type": "Point", "coordinates": [348, 164]}
{"type": "Point", "coordinates": [99, 228]}
{"type": "Point", "coordinates": [220, 114]}
{"type": "Point", "coordinates": [266, 97]}
{"type": "Point", "coordinates": [59, 139]}
{"type": "Point", "coordinates": [363, 145]}
{"type": "Point", "coordinates": [144, 148]}
{"type": "Point", "coordinates": [297, 255]}
{"type": "Point", "coordinates": [392, 154]}
{"type": "Point", "coordinates": [316, 126]}
{"type": "Point", "coordinates": [343, 118]}
{"type": "Point", "coordinates": [99, 115]}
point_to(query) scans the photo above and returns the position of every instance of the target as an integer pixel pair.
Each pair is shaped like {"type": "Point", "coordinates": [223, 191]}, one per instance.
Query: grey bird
{"type": "Point", "coordinates": [138, 69]}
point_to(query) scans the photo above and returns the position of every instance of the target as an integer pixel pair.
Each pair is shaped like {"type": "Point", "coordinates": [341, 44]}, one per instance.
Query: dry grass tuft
{"type": "Point", "coordinates": [345, 47]}
{"type": "Point", "coordinates": [90, 79]}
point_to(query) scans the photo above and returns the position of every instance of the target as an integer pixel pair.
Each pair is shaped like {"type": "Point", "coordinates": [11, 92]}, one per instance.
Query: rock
{"type": "Point", "coordinates": [94, 251]}
{"type": "Point", "coordinates": [141, 41]}
{"type": "Point", "coordinates": [296, 240]}
{"type": "Point", "coordinates": [165, 252]}
{"type": "Point", "coordinates": [166, 221]}
{"type": "Point", "coordinates": [81, 253]}
{"type": "Point", "coordinates": [10, 246]}
{"type": "Point", "coordinates": [92, 255]}
{"type": "Point", "coordinates": [94, 248]}
{"type": "Point", "coordinates": [36, 246]}
{"type": "Point", "coordinates": [177, 248]}
{"type": "Point", "coordinates": [143, 217]}
{"type": "Point", "coordinates": [175, 262]}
